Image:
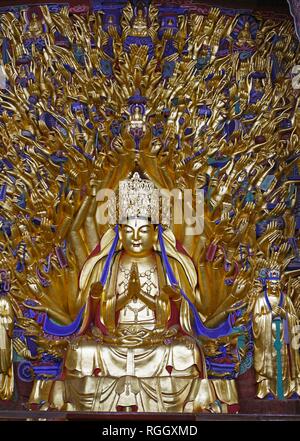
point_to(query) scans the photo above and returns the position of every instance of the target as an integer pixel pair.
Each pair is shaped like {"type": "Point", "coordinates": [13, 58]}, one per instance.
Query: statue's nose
{"type": "Point", "coordinates": [136, 234]}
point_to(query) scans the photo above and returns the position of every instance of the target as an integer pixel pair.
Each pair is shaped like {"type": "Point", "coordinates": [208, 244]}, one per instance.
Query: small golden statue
{"type": "Point", "coordinates": [35, 26]}
{"type": "Point", "coordinates": [137, 119]}
{"type": "Point", "coordinates": [276, 353]}
{"type": "Point", "coordinates": [244, 38]}
{"type": "Point", "coordinates": [139, 25]}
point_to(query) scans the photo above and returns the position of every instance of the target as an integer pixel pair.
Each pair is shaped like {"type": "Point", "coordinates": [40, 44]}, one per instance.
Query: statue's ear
{"type": "Point", "coordinates": [155, 233]}
{"type": "Point", "coordinates": [120, 233]}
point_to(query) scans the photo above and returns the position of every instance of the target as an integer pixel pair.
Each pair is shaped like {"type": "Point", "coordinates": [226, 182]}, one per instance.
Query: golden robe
{"type": "Point", "coordinates": [164, 377]}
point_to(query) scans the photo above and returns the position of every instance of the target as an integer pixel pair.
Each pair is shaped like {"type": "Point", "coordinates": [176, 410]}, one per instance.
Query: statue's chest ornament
{"type": "Point", "coordinates": [135, 311]}
{"type": "Point", "coordinates": [146, 279]}
{"type": "Point", "coordinates": [147, 282]}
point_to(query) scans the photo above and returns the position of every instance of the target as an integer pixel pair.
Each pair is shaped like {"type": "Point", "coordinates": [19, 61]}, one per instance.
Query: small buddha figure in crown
{"type": "Point", "coordinates": [137, 118]}
{"type": "Point", "coordinates": [134, 346]}
{"type": "Point", "coordinates": [276, 360]}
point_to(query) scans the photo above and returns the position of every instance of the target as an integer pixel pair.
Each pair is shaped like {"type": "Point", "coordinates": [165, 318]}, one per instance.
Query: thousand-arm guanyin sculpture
{"type": "Point", "coordinates": [198, 100]}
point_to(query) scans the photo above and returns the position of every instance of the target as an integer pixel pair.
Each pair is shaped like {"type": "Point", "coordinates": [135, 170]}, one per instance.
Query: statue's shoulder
{"type": "Point", "coordinates": [181, 256]}
{"type": "Point", "coordinates": [6, 311]}
{"type": "Point", "coordinates": [5, 302]}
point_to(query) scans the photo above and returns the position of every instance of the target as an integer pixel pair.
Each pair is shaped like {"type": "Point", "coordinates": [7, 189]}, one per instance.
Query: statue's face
{"type": "Point", "coordinates": [273, 286]}
{"type": "Point", "coordinates": [138, 237]}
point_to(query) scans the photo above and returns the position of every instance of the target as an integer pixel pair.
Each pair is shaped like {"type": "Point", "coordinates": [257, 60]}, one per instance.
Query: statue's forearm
{"type": "Point", "coordinates": [64, 228]}
{"type": "Point", "coordinates": [122, 301]}
{"type": "Point", "coordinates": [79, 247]}
{"type": "Point", "coordinates": [148, 300]}
{"type": "Point", "coordinates": [60, 317]}
{"type": "Point", "coordinates": [75, 237]}
{"type": "Point", "coordinates": [90, 226]}
{"type": "Point", "coordinates": [216, 320]}
{"type": "Point", "coordinates": [82, 213]}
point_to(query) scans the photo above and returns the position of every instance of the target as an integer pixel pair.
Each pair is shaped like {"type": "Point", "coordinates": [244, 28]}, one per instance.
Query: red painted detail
{"type": "Point", "coordinates": [98, 322]}
{"type": "Point", "coordinates": [169, 369]}
{"type": "Point", "coordinates": [211, 252]}
{"type": "Point", "coordinates": [174, 316]}
{"type": "Point", "coordinates": [62, 376]}
{"type": "Point", "coordinates": [97, 372]}
{"type": "Point", "coordinates": [95, 251]}
{"type": "Point", "coordinates": [233, 408]}
{"type": "Point", "coordinates": [181, 249]}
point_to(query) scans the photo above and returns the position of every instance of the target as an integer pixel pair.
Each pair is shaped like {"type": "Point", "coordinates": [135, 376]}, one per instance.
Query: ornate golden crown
{"type": "Point", "coordinates": [137, 198]}
{"type": "Point", "coordinates": [273, 274]}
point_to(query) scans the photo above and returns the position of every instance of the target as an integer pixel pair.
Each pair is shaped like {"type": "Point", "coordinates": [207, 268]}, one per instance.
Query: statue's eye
{"type": "Point", "coordinates": [144, 229]}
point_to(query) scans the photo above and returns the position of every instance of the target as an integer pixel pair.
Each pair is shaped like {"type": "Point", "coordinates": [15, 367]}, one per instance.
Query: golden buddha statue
{"type": "Point", "coordinates": [244, 37]}
{"type": "Point", "coordinates": [136, 348]}
{"type": "Point", "coordinates": [139, 26]}
{"type": "Point", "coordinates": [137, 119]}
{"type": "Point", "coordinates": [35, 27]}
{"type": "Point", "coordinates": [276, 358]}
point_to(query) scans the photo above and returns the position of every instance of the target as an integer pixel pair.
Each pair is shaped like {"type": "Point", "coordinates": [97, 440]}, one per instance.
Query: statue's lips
{"type": "Point", "coordinates": [136, 244]}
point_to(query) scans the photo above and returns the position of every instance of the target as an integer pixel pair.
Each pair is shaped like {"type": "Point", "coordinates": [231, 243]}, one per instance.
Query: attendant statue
{"type": "Point", "coordinates": [6, 348]}
{"type": "Point", "coordinates": [276, 358]}
{"type": "Point", "coordinates": [9, 313]}
{"type": "Point", "coordinates": [134, 345]}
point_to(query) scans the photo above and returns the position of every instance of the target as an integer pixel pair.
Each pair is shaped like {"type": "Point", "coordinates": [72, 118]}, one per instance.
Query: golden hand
{"type": "Point", "coordinates": [171, 332]}
{"type": "Point", "coordinates": [96, 290]}
{"type": "Point", "coordinates": [22, 350]}
{"type": "Point", "coordinates": [240, 284]}
{"type": "Point", "coordinates": [279, 312]}
{"type": "Point", "coordinates": [171, 293]}
{"type": "Point", "coordinates": [243, 320]}
{"type": "Point", "coordinates": [41, 308]}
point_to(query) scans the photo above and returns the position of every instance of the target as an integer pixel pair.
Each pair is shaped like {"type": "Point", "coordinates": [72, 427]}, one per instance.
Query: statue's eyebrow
{"type": "Point", "coordinates": [144, 226]}
{"type": "Point", "coordinates": [128, 226]}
